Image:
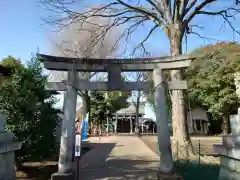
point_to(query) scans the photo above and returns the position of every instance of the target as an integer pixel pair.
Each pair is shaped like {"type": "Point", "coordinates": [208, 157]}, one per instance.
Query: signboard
{"type": "Point", "coordinates": [78, 145]}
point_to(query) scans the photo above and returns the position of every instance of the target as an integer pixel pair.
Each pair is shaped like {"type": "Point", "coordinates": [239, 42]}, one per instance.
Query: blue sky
{"type": "Point", "coordinates": [22, 31]}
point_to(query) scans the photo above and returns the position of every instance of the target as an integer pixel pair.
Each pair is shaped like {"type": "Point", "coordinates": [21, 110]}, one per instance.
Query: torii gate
{"type": "Point", "coordinates": [114, 67]}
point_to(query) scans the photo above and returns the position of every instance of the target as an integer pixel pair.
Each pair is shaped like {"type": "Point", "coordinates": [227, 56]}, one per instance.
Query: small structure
{"type": "Point", "coordinates": [125, 119]}
{"type": "Point", "coordinates": [147, 125]}
{"type": "Point", "coordinates": [197, 121]}
{"type": "Point", "coordinates": [7, 148]}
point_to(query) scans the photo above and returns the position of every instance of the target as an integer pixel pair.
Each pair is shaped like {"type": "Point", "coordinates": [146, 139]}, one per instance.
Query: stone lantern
{"type": "Point", "coordinates": [7, 148]}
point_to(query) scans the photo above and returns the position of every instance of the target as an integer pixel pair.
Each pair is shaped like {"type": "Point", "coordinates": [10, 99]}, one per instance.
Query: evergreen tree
{"type": "Point", "coordinates": [211, 80]}
{"type": "Point", "coordinates": [104, 104]}
{"type": "Point", "coordinates": [29, 110]}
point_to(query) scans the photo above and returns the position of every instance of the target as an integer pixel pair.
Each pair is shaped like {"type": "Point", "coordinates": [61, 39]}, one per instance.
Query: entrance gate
{"type": "Point", "coordinates": [114, 67]}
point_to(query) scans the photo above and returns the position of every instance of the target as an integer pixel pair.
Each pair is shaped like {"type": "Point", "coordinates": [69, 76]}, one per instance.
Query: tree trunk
{"type": "Point", "coordinates": [225, 125]}
{"type": "Point", "coordinates": [181, 138]}
{"type": "Point", "coordinates": [86, 107]}
{"type": "Point", "coordinates": [85, 103]}
{"type": "Point", "coordinates": [137, 114]}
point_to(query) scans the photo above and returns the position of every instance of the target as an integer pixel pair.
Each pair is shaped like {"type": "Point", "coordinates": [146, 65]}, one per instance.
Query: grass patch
{"type": "Point", "coordinates": [197, 171]}
{"type": "Point", "coordinates": [41, 170]}
{"type": "Point", "coordinates": [37, 170]}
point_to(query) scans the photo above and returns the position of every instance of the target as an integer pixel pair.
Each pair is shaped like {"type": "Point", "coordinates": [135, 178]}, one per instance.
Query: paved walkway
{"type": "Point", "coordinates": [119, 158]}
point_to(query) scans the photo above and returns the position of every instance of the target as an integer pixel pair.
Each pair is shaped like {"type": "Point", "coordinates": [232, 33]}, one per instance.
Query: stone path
{"type": "Point", "coordinates": [119, 157]}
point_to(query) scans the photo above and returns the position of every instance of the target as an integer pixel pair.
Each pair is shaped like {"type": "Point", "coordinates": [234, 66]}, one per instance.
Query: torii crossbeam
{"type": "Point", "coordinates": [114, 67]}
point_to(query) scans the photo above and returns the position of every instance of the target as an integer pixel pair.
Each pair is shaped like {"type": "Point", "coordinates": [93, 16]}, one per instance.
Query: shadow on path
{"type": "Point", "coordinates": [97, 154]}
{"type": "Point", "coordinates": [98, 164]}
{"type": "Point", "coordinates": [123, 169]}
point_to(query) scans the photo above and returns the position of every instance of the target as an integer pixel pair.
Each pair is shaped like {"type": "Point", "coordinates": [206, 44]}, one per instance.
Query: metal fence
{"type": "Point", "coordinates": [199, 150]}
{"type": "Point", "coordinates": [196, 151]}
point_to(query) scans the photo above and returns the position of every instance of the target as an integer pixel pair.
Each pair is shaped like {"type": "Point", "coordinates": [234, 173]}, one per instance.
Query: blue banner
{"type": "Point", "coordinates": [85, 127]}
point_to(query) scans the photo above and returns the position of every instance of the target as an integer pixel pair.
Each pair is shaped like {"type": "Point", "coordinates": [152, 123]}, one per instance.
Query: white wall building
{"type": "Point", "coordinates": [197, 119]}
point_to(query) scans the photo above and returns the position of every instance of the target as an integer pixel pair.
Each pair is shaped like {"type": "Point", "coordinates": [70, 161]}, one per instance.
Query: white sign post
{"type": "Point", "coordinates": [78, 151]}
{"type": "Point", "coordinates": [78, 145]}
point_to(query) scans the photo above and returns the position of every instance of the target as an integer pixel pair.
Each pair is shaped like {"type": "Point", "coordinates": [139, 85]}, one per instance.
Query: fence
{"type": "Point", "coordinates": [201, 151]}
{"type": "Point", "coordinates": [197, 151]}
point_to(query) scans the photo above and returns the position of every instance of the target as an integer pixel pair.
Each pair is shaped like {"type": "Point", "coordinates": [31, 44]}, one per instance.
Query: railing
{"type": "Point", "coordinates": [200, 152]}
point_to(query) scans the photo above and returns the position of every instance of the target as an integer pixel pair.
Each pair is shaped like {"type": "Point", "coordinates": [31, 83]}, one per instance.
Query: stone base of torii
{"type": "Point", "coordinates": [114, 67]}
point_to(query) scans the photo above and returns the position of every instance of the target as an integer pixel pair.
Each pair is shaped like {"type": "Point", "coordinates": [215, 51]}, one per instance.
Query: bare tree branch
{"type": "Point", "coordinates": [183, 5]}
{"type": "Point", "coordinates": [154, 5]}
{"type": "Point", "coordinates": [123, 12]}
{"type": "Point", "coordinates": [142, 10]}
{"type": "Point", "coordinates": [191, 31]}
{"type": "Point", "coordinates": [141, 44]}
{"type": "Point", "coordinates": [189, 6]}
{"type": "Point", "coordinates": [81, 40]}
{"type": "Point", "coordinates": [176, 16]}
{"type": "Point", "coordinates": [165, 7]}
{"type": "Point", "coordinates": [198, 8]}
{"type": "Point", "coordinates": [225, 14]}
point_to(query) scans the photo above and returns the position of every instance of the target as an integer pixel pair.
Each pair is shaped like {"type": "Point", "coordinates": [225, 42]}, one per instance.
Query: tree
{"type": "Point", "coordinates": [104, 104]}
{"type": "Point", "coordinates": [211, 80]}
{"type": "Point", "coordinates": [10, 65]}
{"type": "Point", "coordinates": [150, 97]}
{"type": "Point", "coordinates": [138, 95]}
{"type": "Point", "coordinates": [173, 17]}
{"type": "Point", "coordinates": [29, 110]}
{"type": "Point", "coordinates": [79, 40]}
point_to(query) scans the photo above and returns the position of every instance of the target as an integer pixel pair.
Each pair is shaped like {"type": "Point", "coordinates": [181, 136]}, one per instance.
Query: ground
{"type": "Point", "coordinates": [121, 157]}
{"type": "Point", "coordinates": [40, 170]}
{"type": "Point", "coordinates": [37, 170]}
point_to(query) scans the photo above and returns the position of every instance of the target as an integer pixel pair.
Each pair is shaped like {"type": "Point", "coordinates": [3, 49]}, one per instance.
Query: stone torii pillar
{"type": "Point", "coordinates": [166, 160]}
{"type": "Point", "coordinates": [65, 165]}
{"type": "Point", "coordinates": [166, 168]}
